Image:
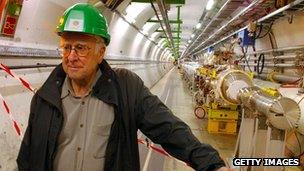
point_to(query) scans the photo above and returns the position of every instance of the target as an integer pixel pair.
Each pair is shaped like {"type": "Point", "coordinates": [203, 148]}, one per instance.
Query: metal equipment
{"type": "Point", "coordinates": [228, 95]}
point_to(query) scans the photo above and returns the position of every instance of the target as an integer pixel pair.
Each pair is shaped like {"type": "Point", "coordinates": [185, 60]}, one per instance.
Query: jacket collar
{"type": "Point", "coordinates": [105, 88]}
{"type": "Point", "coordinates": [68, 89]}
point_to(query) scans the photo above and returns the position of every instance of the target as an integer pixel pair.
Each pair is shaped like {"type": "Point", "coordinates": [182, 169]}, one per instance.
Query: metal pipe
{"type": "Point", "coordinates": [230, 82]}
{"type": "Point", "coordinates": [24, 57]}
{"type": "Point", "coordinates": [23, 51]}
{"type": "Point", "coordinates": [280, 10]}
{"type": "Point", "coordinates": [264, 18]}
{"type": "Point", "coordinates": [178, 29]}
{"type": "Point", "coordinates": [235, 87]}
{"type": "Point", "coordinates": [254, 64]}
{"type": "Point", "coordinates": [291, 48]}
{"type": "Point", "coordinates": [280, 65]}
{"type": "Point", "coordinates": [227, 24]}
{"type": "Point", "coordinates": [166, 21]}
{"type": "Point", "coordinates": [281, 57]}
{"type": "Point", "coordinates": [243, 64]}
{"type": "Point", "coordinates": [39, 65]}
{"type": "Point", "coordinates": [136, 60]}
{"type": "Point", "coordinates": [280, 78]}
{"type": "Point", "coordinates": [281, 112]}
{"type": "Point", "coordinates": [32, 66]}
{"type": "Point", "coordinates": [269, 65]}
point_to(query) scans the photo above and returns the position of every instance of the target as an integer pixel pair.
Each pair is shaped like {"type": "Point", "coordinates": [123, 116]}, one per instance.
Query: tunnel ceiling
{"type": "Point", "coordinates": [190, 14]}
{"type": "Point", "coordinates": [188, 27]}
{"type": "Point", "coordinates": [197, 25]}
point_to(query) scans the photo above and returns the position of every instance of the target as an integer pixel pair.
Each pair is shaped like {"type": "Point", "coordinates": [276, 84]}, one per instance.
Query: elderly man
{"type": "Point", "coordinates": [86, 115]}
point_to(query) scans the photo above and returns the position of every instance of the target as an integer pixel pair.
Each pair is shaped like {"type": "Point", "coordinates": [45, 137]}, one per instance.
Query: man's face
{"type": "Point", "coordinates": [81, 55]}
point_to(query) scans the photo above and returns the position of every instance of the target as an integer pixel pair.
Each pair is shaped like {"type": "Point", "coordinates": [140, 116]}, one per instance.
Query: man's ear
{"type": "Point", "coordinates": [101, 53]}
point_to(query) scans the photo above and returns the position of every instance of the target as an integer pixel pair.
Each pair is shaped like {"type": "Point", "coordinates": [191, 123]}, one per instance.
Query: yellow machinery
{"type": "Point", "coordinates": [221, 88]}
{"type": "Point", "coordinates": [222, 121]}
{"type": "Point", "coordinates": [222, 115]}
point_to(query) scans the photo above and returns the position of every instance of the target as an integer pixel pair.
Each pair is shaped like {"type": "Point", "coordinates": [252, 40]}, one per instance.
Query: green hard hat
{"type": "Point", "coordinates": [84, 18]}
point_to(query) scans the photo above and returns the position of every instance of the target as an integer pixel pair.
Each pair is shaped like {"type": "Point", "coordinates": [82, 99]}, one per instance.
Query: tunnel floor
{"type": "Point", "coordinates": [174, 93]}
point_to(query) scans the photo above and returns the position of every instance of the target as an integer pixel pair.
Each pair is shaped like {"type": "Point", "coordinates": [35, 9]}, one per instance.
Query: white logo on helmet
{"type": "Point", "coordinates": [74, 25]}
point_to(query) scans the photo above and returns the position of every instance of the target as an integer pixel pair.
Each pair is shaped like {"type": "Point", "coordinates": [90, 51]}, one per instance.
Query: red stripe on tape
{"type": "Point", "coordinates": [161, 151]}
{"type": "Point", "coordinates": [6, 107]}
{"type": "Point", "coordinates": [17, 128]}
{"type": "Point", "coordinates": [26, 84]}
{"type": "Point", "coordinates": [15, 124]}
{"type": "Point", "coordinates": [6, 69]}
{"type": "Point", "coordinates": [140, 141]}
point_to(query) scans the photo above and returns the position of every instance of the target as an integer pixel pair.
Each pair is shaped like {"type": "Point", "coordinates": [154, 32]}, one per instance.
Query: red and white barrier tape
{"type": "Point", "coordinates": [22, 81]}
{"type": "Point", "coordinates": [4, 104]}
{"type": "Point", "coordinates": [160, 151]}
{"type": "Point", "coordinates": [15, 124]}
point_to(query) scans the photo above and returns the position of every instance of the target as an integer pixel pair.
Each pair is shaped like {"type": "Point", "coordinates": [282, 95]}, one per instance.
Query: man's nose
{"type": "Point", "coordinates": [72, 56]}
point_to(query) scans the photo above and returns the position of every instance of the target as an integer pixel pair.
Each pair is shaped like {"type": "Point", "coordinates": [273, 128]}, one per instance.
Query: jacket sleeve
{"type": "Point", "coordinates": [158, 123]}
{"type": "Point", "coordinates": [24, 152]}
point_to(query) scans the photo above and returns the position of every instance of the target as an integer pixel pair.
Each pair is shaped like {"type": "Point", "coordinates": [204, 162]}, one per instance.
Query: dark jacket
{"type": "Point", "coordinates": [135, 108]}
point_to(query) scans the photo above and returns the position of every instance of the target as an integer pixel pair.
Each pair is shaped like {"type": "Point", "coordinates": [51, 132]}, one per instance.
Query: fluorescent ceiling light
{"type": "Point", "coordinates": [189, 41]}
{"type": "Point", "coordinates": [132, 11]}
{"type": "Point", "coordinates": [210, 4]}
{"type": "Point", "coordinates": [192, 35]}
{"type": "Point", "coordinates": [145, 32]}
{"type": "Point", "coordinates": [198, 26]}
{"type": "Point", "coordinates": [153, 35]}
{"type": "Point", "coordinates": [148, 26]}
{"type": "Point", "coordinates": [130, 19]}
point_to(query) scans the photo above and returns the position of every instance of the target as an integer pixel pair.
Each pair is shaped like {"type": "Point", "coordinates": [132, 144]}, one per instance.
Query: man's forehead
{"type": "Point", "coordinates": [77, 36]}
{"type": "Point", "coordinates": [69, 37]}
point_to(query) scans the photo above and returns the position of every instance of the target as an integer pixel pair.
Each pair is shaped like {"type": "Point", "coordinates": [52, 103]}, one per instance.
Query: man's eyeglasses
{"type": "Point", "coordinates": [80, 49]}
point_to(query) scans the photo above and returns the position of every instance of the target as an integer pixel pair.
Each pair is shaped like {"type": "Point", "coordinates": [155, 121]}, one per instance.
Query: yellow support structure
{"type": "Point", "coordinates": [271, 91]}
{"type": "Point", "coordinates": [214, 105]}
{"type": "Point", "coordinates": [251, 75]}
{"type": "Point", "coordinates": [222, 120]}
{"type": "Point", "coordinates": [213, 74]}
{"type": "Point", "coordinates": [223, 114]}
{"type": "Point", "coordinates": [222, 126]}
{"type": "Point", "coordinates": [203, 71]}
